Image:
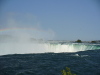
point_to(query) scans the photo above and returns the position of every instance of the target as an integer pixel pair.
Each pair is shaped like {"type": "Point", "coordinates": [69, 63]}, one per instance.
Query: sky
{"type": "Point", "coordinates": [57, 19]}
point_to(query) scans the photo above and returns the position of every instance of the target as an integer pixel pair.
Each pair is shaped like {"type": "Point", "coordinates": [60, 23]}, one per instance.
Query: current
{"type": "Point", "coordinates": [20, 57]}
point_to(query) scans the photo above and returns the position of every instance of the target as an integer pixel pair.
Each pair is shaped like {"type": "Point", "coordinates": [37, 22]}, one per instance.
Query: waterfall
{"type": "Point", "coordinates": [31, 47]}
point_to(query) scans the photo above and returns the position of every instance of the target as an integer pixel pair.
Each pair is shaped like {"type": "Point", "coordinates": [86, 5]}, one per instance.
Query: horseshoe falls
{"type": "Point", "coordinates": [48, 58]}
{"type": "Point", "coordinates": [44, 47]}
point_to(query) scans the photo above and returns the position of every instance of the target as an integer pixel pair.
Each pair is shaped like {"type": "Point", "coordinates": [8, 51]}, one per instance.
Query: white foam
{"type": "Point", "coordinates": [36, 47]}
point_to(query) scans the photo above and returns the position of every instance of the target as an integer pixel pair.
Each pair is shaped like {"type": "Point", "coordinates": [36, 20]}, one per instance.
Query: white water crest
{"type": "Point", "coordinates": [42, 47]}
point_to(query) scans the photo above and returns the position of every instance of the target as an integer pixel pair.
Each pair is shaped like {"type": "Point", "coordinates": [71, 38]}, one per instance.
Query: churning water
{"type": "Point", "coordinates": [42, 47]}
{"type": "Point", "coordinates": [20, 57]}
{"type": "Point", "coordinates": [80, 63]}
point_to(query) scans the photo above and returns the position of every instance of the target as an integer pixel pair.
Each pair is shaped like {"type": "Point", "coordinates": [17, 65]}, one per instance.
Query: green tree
{"type": "Point", "coordinates": [79, 41]}
{"type": "Point", "coordinates": [67, 72]}
{"type": "Point", "coordinates": [93, 41]}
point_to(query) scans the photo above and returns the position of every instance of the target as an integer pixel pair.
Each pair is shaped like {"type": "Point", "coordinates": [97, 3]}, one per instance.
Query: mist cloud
{"type": "Point", "coordinates": [27, 25]}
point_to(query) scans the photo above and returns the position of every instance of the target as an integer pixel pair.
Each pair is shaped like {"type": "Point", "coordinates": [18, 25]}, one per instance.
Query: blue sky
{"type": "Point", "coordinates": [65, 19]}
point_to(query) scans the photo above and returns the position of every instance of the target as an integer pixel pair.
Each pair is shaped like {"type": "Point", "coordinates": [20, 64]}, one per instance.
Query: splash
{"type": "Point", "coordinates": [24, 35]}
{"type": "Point", "coordinates": [22, 40]}
{"type": "Point", "coordinates": [27, 40]}
{"type": "Point", "coordinates": [42, 47]}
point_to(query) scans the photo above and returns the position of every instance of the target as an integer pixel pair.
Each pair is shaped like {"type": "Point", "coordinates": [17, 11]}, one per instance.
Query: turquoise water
{"type": "Point", "coordinates": [44, 47]}
{"type": "Point", "coordinates": [45, 58]}
{"type": "Point", "coordinates": [74, 47]}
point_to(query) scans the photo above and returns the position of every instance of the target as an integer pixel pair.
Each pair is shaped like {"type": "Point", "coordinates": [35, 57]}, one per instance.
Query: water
{"type": "Point", "coordinates": [43, 47]}
{"type": "Point", "coordinates": [80, 63]}
{"type": "Point", "coordinates": [46, 58]}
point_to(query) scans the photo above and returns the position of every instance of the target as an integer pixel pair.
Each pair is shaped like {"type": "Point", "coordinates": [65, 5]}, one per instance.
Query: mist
{"type": "Point", "coordinates": [23, 33]}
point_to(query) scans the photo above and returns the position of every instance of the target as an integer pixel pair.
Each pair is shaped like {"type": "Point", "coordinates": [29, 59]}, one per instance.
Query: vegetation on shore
{"type": "Point", "coordinates": [93, 41]}
{"type": "Point", "coordinates": [67, 71]}
{"type": "Point", "coordinates": [79, 41]}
